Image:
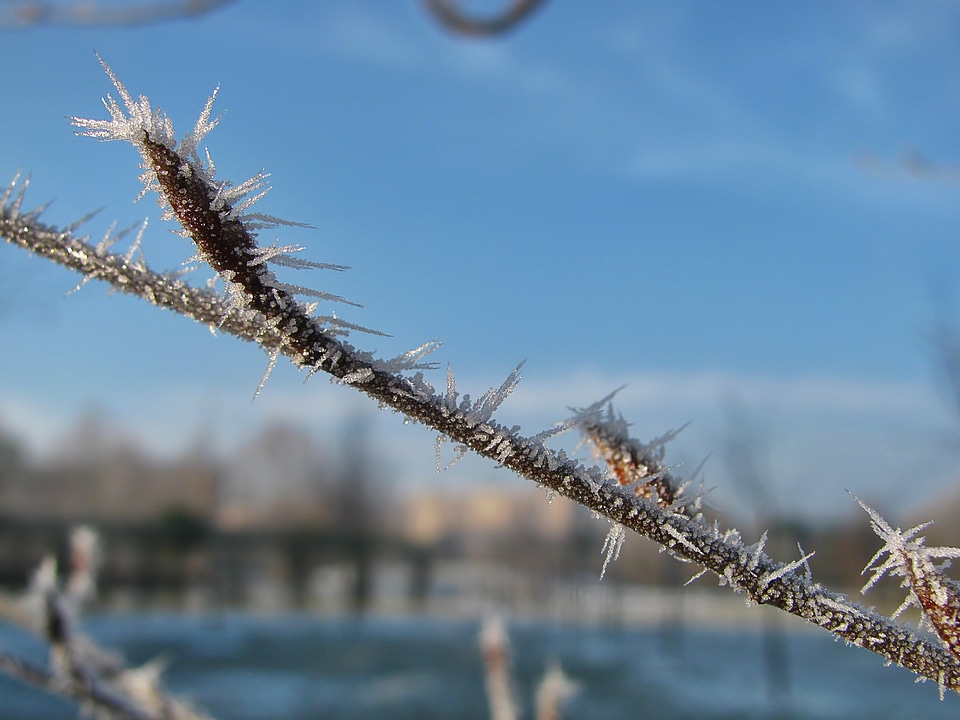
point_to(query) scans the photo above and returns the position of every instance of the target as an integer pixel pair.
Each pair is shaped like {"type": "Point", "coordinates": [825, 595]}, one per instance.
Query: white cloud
{"type": "Point", "coordinates": [703, 390]}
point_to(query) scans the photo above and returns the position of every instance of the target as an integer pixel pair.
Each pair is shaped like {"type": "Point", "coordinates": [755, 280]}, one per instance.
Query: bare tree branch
{"type": "Point", "coordinates": [263, 310]}
{"type": "Point", "coordinates": [449, 14]}
{"type": "Point", "coordinates": [26, 13]}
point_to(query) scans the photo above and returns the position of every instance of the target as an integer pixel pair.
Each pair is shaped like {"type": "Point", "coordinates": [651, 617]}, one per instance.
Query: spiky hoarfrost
{"type": "Point", "coordinates": [214, 214]}
{"type": "Point", "coordinates": [634, 464]}
{"type": "Point", "coordinates": [612, 545]}
{"type": "Point", "coordinates": [785, 569]}
{"type": "Point", "coordinates": [262, 312]}
{"type": "Point", "coordinates": [936, 595]}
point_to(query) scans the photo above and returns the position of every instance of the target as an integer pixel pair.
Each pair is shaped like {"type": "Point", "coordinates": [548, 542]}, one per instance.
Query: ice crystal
{"type": "Point", "coordinates": [936, 595]}
{"type": "Point", "coordinates": [681, 538]}
{"type": "Point", "coordinates": [488, 403]}
{"type": "Point", "coordinates": [215, 215]}
{"type": "Point", "coordinates": [783, 570]}
{"type": "Point", "coordinates": [411, 360]}
{"type": "Point", "coordinates": [137, 119]}
{"type": "Point", "coordinates": [12, 199]}
{"type": "Point", "coordinates": [755, 552]}
{"type": "Point", "coordinates": [272, 356]}
{"type": "Point", "coordinates": [612, 544]}
{"type": "Point", "coordinates": [632, 463]}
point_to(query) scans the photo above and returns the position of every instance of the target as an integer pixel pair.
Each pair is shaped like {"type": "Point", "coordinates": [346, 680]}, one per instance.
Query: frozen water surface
{"type": "Point", "coordinates": [240, 667]}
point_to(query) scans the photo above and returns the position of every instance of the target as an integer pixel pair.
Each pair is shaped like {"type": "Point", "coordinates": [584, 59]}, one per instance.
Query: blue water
{"type": "Point", "coordinates": [241, 667]}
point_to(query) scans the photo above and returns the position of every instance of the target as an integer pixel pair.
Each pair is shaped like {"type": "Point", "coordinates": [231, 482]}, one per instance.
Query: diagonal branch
{"type": "Point", "coordinates": [745, 569]}
{"type": "Point", "coordinates": [260, 309]}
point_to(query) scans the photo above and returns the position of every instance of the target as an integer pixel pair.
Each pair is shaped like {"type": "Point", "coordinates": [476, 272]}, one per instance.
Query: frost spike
{"type": "Point", "coordinates": [937, 596]}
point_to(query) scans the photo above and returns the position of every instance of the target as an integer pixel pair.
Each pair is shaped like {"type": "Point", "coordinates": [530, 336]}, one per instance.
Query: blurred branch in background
{"type": "Point", "coordinates": [451, 15]}
{"type": "Point", "coordinates": [912, 162]}
{"type": "Point", "coordinates": [23, 13]}
{"type": "Point", "coordinates": [554, 689]}
{"type": "Point", "coordinates": [78, 668]}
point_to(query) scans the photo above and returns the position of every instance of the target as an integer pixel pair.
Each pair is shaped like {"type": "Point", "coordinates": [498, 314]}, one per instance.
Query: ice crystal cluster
{"type": "Point", "coordinates": [928, 588]}
{"type": "Point", "coordinates": [633, 489]}
{"type": "Point", "coordinates": [215, 215]}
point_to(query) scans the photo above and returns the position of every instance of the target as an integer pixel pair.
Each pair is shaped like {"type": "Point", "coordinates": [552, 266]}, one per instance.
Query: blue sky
{"type": "Point", "coordinates": [701, 201]}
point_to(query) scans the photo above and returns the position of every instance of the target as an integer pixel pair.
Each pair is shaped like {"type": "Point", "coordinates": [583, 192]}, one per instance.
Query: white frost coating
{"type": "Point", "coordinates": [612, 544]}
{"type": "Point", "coordinates": [411, 360]}
{"type": "Point", "coordinates": [109, 239]}
{"type": "Point", "coordinates": [460, 450]}
{"type": "Point", "coordinates": [495, 440]}
{"type": "Point", "coordinates": [357, 376]}
{"type": "Point", "coordinates": [310, 292]}
{"type": "Point", "coordinates": [807, 572]}
{"type": "Point", "coordinates": [484, 408]}
{"type": "Point", "coordinates": [136, 117]}
{"type": "Point", "coordinates": [450, 397]}
{"type": "Point", "coordinates": [134, 120]}
{"type": "Point", "coordinates": [441, 438]}
{"type": "Point", "coordinates": [696, 577]}
{"type": "Point", "coordinates": [838, 605]}
{"type": "Point", "coordinates": [756, 552]}
{"type": "Point", "coordinates": [680, 538]}
{"type": "Point", "coordinates": [731, 536]}
{"type": "Point", "coordinates": [557, 429]}
{"type": "Point", "coordinates": [281, 256]}
{"type": "Point", "coordinates": [594, 477]}
{"type": "Point", "coordinates": [505, 451]}
{"type": "Point", "coordinates": [786, 569]}
{"type": "Point", "coordinates": [135, 246]}
{"type": "Point", "coordinates": [552, 463]}
{"type": "Point", "coordinates": [12, 199]}
{"type": "Point", "coordinates": [271, 363]}
{"type": "Point", "coordinates": [727, 578]}
{"type": "Point", "coordinates": [902, 550]}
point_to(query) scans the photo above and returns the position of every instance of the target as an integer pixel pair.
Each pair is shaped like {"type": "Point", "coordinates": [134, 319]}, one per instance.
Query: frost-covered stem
{"type": "Point", "coordinates": [753, 573]}
{"type": "Point", "coordinates": [495, 648]}
{"type": "Point", "coordinates": [262, 309]}
{"type": "Point", "coordinates": [93, 696]}
{"type": "Point", "coordinates": [64, 247]}
{"type": "Point", "coordinates": [80, 669]}
{"type": "Point", "coordinates": [639, 466]}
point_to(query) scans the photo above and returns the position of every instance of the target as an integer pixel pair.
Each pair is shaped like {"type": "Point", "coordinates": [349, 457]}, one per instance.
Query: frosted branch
{"type": "Point", "coordinates": [632, 463]}
{"type": "Point", "coordinates": [266, 314]}
{"type": "Point", "coordinates": [495, 648]}
{"type": "Point", "coordinates": [937, 596]}
{"type": "Point", "coordinates": [81, 670]}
